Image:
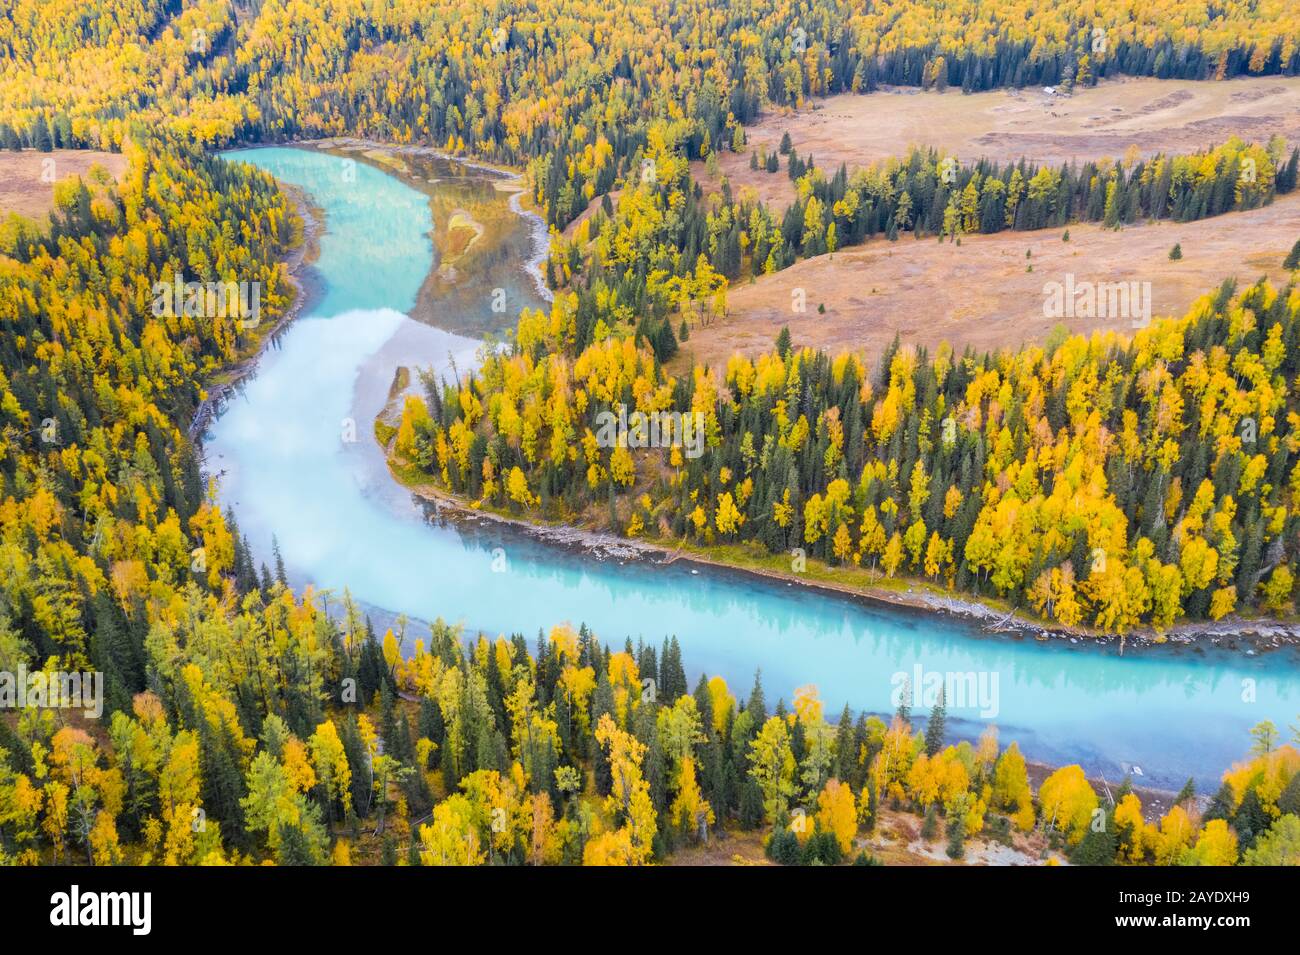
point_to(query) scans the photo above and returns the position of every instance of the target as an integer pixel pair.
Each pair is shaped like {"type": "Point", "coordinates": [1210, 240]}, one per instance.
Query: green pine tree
{"type": "Point", "coordinates": [41, 139]}
{"type": "Point", "coordinates": [783, 344]}
{"type": "Point", "coordinates": [1222, 805]}
{"type": "Point", "coordinates": [1099, 844]}
{"type": "Point", "coordinates": [930, 824]}
{"type": "Point", "coordinates": [934, 728]}
{"type": "Point", "coordinates": [1250, 820]}
{"type": "Point", "coordinates": [956, 837]}
{"type": "Point", "coordinates": [1292, 261]}
{"type": "Point", "coordinates": [904, 712]}
{"type": "Point", "coordinates": [1289, 802]}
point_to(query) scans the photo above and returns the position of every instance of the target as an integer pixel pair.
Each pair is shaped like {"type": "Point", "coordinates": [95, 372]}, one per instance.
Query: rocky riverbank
{"type": "Point", "coordinates": [1237, 634]}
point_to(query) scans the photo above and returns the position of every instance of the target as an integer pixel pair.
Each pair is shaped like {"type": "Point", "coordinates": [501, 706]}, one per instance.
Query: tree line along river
{"type": "Point", "coordinates": [288, 466]}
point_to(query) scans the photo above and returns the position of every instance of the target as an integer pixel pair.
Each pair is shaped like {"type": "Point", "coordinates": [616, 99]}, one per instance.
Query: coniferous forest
{"type": "Point", "coordinates": [1104, 485]}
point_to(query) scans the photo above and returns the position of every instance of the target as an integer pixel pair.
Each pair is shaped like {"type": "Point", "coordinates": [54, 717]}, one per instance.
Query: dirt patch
{"type": "Point", "coordinates": [725, 847]}
{"type": "Point", "coordinates": [27, 178]}
{"type": "Point", "coordinates": [897, 840]}
{"type": "Point", "coordinates": [982, 293]}
{"type": "Point", "coordinates": [1170, 116]}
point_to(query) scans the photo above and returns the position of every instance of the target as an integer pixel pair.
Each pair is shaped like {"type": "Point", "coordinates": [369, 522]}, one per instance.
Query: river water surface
{"type": "Point", "coordinates": [287, 466]}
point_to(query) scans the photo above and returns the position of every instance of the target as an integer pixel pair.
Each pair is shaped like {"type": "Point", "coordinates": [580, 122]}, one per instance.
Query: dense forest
{"type": "Point", "coordinates": [1100, 480]}
{"type": "Point", "coordinates": [274, 732]}
{"type": "Point", "coordinates": [1097, 480]}
{"type": "Point", "coordinates": [594, 100]}
{"type": "Point", "coordinates": [244, 723]}
{"type": "Point", "coordinates": [102, 508]}
{"type": "Point", "coordinates": [575, 90]}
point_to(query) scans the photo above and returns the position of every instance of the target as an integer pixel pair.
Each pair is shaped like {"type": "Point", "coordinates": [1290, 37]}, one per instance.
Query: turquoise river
{"type": "Point", "coordinates": [295, 457]}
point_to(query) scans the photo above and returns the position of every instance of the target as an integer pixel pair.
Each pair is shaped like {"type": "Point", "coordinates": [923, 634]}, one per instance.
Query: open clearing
{"type": "Point", "coordinates": [981, 294]}
{"type": "Point", "coordinates": [1170, 116]}
{"type": "Point", "coordinates": [27, 180]}
{"type": "Point", "coordinates": [895, 841]}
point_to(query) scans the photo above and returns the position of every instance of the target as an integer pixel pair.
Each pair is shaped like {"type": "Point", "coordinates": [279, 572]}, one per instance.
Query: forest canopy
{"type": "Point", "coordinates": [247, 723]}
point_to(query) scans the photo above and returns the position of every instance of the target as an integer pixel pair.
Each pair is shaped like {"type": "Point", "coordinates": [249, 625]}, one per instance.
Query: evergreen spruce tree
{"type": "Point", "coordinates": [671, 675]}
{"type": "Point", "coordinates": [930, 824]}
{"type": "Point", "coordinates": [757, 705]}
{"type": "Point", "coordinates": [751, 805]}
{"type": "Point", "coordinates": [41, 140]}
{"type": "Point", "coordinates": [222, 783]}
{"type": "Point", "coordinates": [904, 712]}
{"type": "Point", "coordinates": [1292, 261]}
{"type": "Point", "coordinates": [783, 847]}
{"type": "Point", "coordinates": [1289, 802]}
{"type": "Point", "coordinates": [1099, 844]}
{"type": "Point", "coordinates": [783, 344]}
{"type": "Point", "coordinates": [358, 763]}
{"type": "Point", "coordinates": [1250, 821]}
{"type": "Point", "coordinates": [704, 703]}
{"type": "Point", "coordinates": [846, 755]}
{"type": "Point", "coordinates": [294, 848]}
{"type": "Point", "coordinates": [868, 820]}
{"type": "Point", "coordinates": [280, 575]}
{"type": "Point", "coordinates": [934, 727]}
{"type": "Point", "coordinates": [956, 837]}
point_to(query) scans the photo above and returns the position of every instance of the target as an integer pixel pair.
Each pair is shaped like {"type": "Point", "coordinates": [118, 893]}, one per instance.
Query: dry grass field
{"type": "Point", "coordinates": [27, 181]}
{"type": "Point", "coordinates": [981, 292]}
{"type": "Point", "coordinates": [1171, 116]}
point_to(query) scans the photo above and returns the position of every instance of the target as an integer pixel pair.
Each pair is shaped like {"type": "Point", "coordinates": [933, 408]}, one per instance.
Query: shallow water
{"type": "Point", "coordinates": [341, 521]}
